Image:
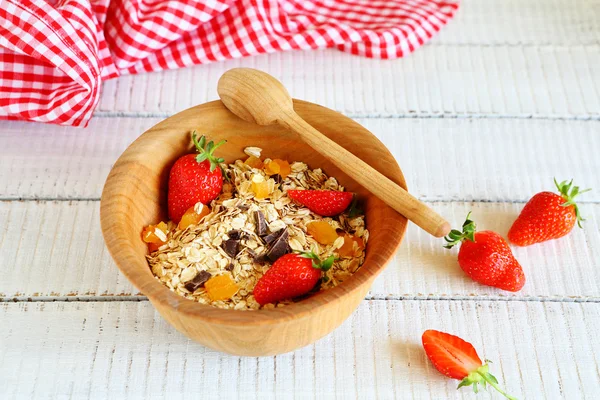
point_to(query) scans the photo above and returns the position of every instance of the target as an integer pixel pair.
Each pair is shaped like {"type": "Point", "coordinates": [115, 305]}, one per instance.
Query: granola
{"type": "Point", "coordinates": [235, 237]}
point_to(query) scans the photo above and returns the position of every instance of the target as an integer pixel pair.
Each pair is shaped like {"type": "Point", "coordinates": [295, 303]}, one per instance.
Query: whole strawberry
{"type": "Point", "coordinates": [327, 203]}
{"type": "Point", "coordinates": [194, 178]}
{"type": "Point", "coordinates": [292, 275]}
{"type": "Point", "coordinates": [547, 216]}
{"type": "Point", "coordinates": [458, 359]}
{"type": "Point", "coordinates": [486, 257]}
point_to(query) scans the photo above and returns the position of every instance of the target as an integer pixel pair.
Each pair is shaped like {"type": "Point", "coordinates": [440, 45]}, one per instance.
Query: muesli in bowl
{"type": "Point", "coordinates": [255, 233]}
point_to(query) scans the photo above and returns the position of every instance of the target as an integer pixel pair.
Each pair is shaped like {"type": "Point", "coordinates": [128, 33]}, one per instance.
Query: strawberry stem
{"type": "Point", "coordinates": [468, 232]}
{"type": "Point", "coordinates": [206, 152]}
{"type": "Point", "coordinates": [569, 195]}
{"type": "Point", "coordinates": [491, 379]}
{"type": "Point", "coordinates": [482, 377]}
{"type": "Point", "coordinates": [316, 261]}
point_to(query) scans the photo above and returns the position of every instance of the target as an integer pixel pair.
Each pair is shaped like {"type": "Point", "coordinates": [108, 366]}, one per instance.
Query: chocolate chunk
{"type": "Point", "coordinates": [229, 267]}
{"type": "Point", "coordinates": [231, 247]}
{"type": "Point", "coordinates": [261, 223]}
{"type": "Point", "coordinates": [279, 247]}
{"type": "Point", "coordinates": [197, 281]}
{"type": "Point", "coordinates": [273, 236]}
{"type": "Point", "coordinates": [256, 257]}
{"type": "Point", "coordinates": [234, 234]}
{"type": "Point", "coordinates": [277, 178]}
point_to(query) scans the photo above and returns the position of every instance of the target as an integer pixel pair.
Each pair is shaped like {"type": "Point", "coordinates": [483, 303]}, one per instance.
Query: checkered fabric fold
{"type": "Point", "coordinates": [55, 54]}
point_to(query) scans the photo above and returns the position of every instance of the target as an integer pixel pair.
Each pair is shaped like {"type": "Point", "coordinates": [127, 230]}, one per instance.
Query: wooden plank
{"type": "Point", "coordinates": [62, 162]}
{"type": "Point", "coordinates": [436, 81]}
{"type": "Point", "coordinates": [461, 61]}
{"type": "Point", "coordinates": [523, 22]}
{"type": "Point", "coordinates": [53, 250]}
{"type": "Point", "coordinates": [124, 349]}
{"type": "Point", "coordinates": [468, 159]}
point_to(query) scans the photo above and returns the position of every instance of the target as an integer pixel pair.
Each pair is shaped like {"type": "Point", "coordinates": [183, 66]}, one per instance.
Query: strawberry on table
{"type": "Point", "coordinates": [292, 275]}
{"type": "Point", "coordinates": [327, 203]}
{"type": "Point", "coordinates": [547, 216]}
{"type": "Point", "coordinates": [195, 178]}
{"type": "Point", "coordinates": [486, 257]}
{"type": "Point", "coordinates": [458, 359]}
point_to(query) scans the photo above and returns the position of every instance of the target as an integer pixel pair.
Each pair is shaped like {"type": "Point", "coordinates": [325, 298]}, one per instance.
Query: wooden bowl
{"type": "Point", "coordinates": [135, 195]}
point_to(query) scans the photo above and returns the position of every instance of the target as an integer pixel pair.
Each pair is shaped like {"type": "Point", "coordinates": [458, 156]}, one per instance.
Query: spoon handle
{"type": "Point", "coordinates": [371, 179]}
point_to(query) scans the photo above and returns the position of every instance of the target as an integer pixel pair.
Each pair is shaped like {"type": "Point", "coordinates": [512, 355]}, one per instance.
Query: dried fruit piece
{"type": "Point", "coordinates": [155, 235]}
{"type": "Point", "coordinates": [221, 287]}
{"type": "Point", "coordinates": [260, 187]}
{"type": "Point", "coordinates": [348, 249]}
{"type": "Point", "coordinates": [284, 167]}
{"type": "Point", "coordinates": [152, 247]}
{"type": "Point", "coordinates": [254, 162]}
{"type": "Point", "coordinates": [193, 216]}
{"type": "Point", "coordinates": [322, 232]}
{"type": "Point", "coordinates": [271, 168]}
{"type": "Point", "coordinates": [278, 167]}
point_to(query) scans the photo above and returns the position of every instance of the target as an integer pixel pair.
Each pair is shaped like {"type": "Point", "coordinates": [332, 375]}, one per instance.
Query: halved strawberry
{"type": "Point", "coordinates": [327, 203]}
{"type": "Point", "coordinates": [458, 359]}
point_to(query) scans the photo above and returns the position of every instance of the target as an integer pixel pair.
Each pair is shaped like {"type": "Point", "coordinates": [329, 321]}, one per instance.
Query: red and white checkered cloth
{"type": "Point", "coordinates": [55, 54]}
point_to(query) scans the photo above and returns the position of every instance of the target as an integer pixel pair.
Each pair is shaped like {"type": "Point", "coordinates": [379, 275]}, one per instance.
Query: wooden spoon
{"type": "Point", "coordinates": [256, 96]}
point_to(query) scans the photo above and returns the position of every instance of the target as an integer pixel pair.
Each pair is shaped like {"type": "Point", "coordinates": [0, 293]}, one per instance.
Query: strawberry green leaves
{"type": "Point", "coordinates": [569, 192]}
{"type": "Point", "coordinates": [324, 265]}
{"type": "Point", "coordinates": [468, 232]}
{"type": "Point", "coordinates": [482, 377]}
{"type": "Point", "coordinates": [206, 150]}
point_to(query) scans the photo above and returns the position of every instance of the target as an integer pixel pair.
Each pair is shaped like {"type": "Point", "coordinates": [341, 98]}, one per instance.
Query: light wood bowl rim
{"type": "Point", "coordinates": [157, 292]}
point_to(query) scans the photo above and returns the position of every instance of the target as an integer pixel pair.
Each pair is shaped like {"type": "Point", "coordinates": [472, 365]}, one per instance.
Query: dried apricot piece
{"type": "Point", "coordinates": [348, 250]}
{"type": "Point", "coordinates": [254, 162]}
{"type": "Point", "coordinates": [152, 247]}
{"type": "Point", "coordinates": [193, 216]}
{"type": "Point", "coordinates": [155, 235]}
{"type": "Point", "coordinates": [221, 287]}
{"type": "Point", "coordinates": [271, 168]}
{"type": "Point", "coordinates": [284, 167]}
{"type": "Point", "coordinates": [260, 187]}
{"type": "Point", "coordinates": [322, 232]}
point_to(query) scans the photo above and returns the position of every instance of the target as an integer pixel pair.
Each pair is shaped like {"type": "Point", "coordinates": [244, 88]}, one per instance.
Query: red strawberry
{"type": "Point", "coordinates": [327, 203]}
{"type": "Point", "coordinates": [547, 216]}
{"type": "Point", "coordinates": [292, 275]}
{"type": "Point", "coordinates": [194, 178]}
{"type": "Point", "coordinates": [458, 359]}
{"type": "Point", "coordinates": [486, 257]}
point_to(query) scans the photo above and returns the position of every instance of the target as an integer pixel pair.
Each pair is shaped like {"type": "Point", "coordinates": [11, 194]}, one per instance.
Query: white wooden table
{"type": "Point", "coordinates": [503, 100]}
